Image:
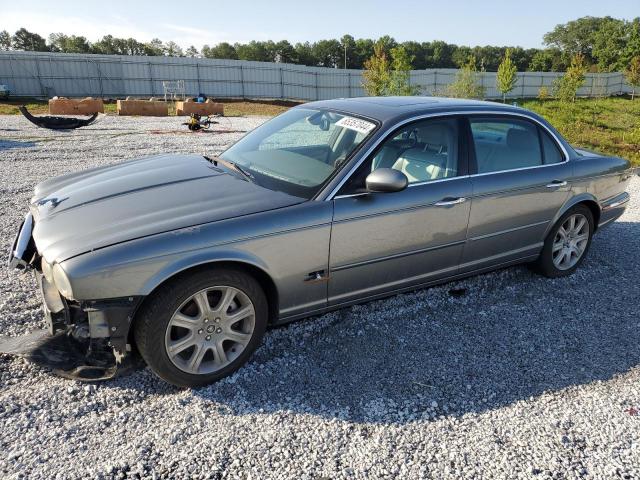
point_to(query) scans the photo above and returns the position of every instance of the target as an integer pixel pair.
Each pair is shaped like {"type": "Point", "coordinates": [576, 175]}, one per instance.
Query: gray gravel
{"type": "Point", "coordinates": [522, 377]}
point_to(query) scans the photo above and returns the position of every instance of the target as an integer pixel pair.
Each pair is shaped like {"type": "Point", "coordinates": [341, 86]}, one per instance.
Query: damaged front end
{"type": "Point", "coordinates": [86, 340]}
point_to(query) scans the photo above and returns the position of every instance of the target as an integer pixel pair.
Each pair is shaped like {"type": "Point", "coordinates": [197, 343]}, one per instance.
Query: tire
{"type": "Point", "coordinates": [546, 265]}
{"type": "Point", "coordinates": [176, 316]}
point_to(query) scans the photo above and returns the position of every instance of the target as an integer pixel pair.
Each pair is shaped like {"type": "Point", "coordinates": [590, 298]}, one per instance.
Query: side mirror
{"type": "Point", "coordinates": [386, 180]}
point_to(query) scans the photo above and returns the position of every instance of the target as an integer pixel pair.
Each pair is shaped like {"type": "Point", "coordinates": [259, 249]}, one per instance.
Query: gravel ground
{"type": "Point", "coordinates": [522, 377]}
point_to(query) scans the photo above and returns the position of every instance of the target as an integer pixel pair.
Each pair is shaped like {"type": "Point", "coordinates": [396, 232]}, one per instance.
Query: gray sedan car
{"type": "Point", "coordinates": [188, 259]}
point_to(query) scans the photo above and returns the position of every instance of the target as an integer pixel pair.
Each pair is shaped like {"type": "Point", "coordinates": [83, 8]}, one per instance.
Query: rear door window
{"type": "Point", "coordinates": [505, 144]}
{"type": "Point", "coordinates": [552, 153]}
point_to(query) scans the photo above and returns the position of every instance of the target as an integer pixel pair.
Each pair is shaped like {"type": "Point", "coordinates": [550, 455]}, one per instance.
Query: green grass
{"type": "Point", "coordinates": [608, 125]}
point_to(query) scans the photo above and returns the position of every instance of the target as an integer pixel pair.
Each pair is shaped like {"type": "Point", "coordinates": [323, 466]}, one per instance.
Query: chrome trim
{"type": "Point", "coordinates": [509, 230]}
{"type": "Point", "coordinates": [437, 180]}
{"type": "Point", "coordinates": [394, 256]}
{"type": "Point", "coordinates": [351, 195]}
{"type": "Point", "coordinates": [448, 203]}
{"type": "Point", "coordinates": [375, 145]}
{"type": "Point", "coordinates": [617, 203]}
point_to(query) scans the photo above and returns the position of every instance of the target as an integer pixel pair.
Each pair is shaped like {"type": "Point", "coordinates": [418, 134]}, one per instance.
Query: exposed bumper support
{"type": "Point", "coordinates": [23, 250]}
{"type": "Point", "coordinates": [85, 341]}
{"type": "Point", "coordinates": [111, 319]}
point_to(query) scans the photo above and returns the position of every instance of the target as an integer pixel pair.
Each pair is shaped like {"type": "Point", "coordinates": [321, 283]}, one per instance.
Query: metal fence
{"type": "Point", "coordinates": [36, 74]}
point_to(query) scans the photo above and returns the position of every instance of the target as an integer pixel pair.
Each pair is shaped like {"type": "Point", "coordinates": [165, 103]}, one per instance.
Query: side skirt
{"type": "Point", "coordinates": [409, 288]}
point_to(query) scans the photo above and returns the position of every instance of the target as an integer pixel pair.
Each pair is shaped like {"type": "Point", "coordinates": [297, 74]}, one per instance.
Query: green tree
{"type": "Point", "coordinates": [566, 87]}
{"type": "Point", "coordinates": [5, 40]}
{"type": "Point", "coordinates": [192, 52]}
{"type": "Point", "coordinates": [59, 42]}
{"type": "Point", "coordinates": [285, 52]}
{"type": "Point", "coordinates": [348, 44]}
{"type": "Point", "coordinates": [304, 54]}
{"type": "Point", "coordinates": [577, 36]}
{"type": "Point", "coordinates": [507, 76]}
{"type": "Point", "coordinates": [221, 50]}
{"type": "Point", "coordinates": [27, 41]}
{"type": "Point", "coordinates": [466, 82]}
{"type": "Point", "coordinates": [363, 51]}
{"type": "Point", "coordinates": [328, 53]}
{"type": "Point", "coordinates": [154, 48]}
{"type": "Point", "coordinates": [377, 74]}
{"type": "Point", "coordinates": [399, 82]}
{"type": "Point", "coordinates": [172, 49]}
{"type": "Point", "coordinates": [632, 75]}
{"type": "Point", "coordinates": [255, 51]}
{"type": "Point", "coordinates": [384, 76]}
{"type": "Point", "coordinates": [608, 42]}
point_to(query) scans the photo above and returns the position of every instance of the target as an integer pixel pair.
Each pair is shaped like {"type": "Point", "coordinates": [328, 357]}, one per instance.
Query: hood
{"type": "Point", "coordinates": [83, 211]}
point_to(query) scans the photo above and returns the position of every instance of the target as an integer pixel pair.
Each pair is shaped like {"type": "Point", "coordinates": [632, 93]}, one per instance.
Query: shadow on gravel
{"type": "Point", "coordinates": [9, 144]}
{"type": "Point", "coordinates": [414, 356]}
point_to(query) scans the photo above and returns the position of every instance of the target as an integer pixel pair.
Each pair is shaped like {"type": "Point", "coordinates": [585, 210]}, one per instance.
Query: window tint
{"type": "Point", "coordinates": [552, 153]}
{"type": "Point", "coordinates": [505, 144]}
{"type": "Point", "coordinates": [423, 151]}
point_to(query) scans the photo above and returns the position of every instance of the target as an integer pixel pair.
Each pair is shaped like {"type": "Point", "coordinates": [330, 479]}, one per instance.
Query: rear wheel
{"type": "Point", "coordinates": [202, 327]}
{"type": "Point", "coordinates": [567, 244]}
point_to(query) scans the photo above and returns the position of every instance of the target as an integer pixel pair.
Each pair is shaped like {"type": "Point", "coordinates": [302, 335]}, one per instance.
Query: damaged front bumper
{"type": "Point", "coordinates": [87, 339]}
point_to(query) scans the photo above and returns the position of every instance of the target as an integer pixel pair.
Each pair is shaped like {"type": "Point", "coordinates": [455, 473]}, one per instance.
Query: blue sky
{"type": "Point", "coordinates": [495, 22]}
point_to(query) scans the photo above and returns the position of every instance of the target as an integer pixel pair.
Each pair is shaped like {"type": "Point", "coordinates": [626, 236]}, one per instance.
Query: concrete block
{"type": "Point", "coordinates": [144, 108]}
{"type": "Point", "coordinates": [75, 106]}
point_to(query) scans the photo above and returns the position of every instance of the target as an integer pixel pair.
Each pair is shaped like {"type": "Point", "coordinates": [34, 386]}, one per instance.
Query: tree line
{"type": "Point", "coordinates": [606, 44]}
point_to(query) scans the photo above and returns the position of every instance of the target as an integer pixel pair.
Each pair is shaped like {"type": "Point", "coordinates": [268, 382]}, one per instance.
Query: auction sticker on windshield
{"type": "Point", "coordinates": [356, 124]}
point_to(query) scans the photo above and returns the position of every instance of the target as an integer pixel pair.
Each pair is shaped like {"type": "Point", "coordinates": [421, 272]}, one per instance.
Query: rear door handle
{"type": "Point", "coordinates": [557, 184]}
{"type": "Point", "coordinates": [445, 202]}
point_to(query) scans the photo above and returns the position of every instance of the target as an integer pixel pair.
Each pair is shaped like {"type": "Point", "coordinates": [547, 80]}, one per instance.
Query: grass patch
{"type": "Point", "coordinates": [608, 125]}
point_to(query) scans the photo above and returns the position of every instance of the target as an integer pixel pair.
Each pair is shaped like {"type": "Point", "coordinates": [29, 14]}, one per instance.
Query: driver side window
{"type": "Point", "coordinates": [424, 151]}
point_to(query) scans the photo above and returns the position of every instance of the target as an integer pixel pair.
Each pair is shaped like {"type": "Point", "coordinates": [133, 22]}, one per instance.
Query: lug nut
{"type": "Point", "coordinates": [200, 331]}
{"type": "Point", "coordinates": [218, 330]}
{"type": "Point", "coordinates": [208, 337]}
{"type": "Point", "coordinates": [217, 320]}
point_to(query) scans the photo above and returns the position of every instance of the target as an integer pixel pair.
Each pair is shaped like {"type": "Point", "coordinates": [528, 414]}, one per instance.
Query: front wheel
{"type": "Point", "coordinates": [202, 327]}
{"type": "Point", "coordinates": [567, 244]}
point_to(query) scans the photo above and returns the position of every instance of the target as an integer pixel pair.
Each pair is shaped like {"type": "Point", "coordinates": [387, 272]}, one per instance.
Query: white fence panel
{"type": "Point", "coordinates": [40, 74]}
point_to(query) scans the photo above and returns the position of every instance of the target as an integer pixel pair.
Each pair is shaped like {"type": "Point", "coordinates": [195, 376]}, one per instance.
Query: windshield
{"type": "Point", "coordinates": [298, 151]}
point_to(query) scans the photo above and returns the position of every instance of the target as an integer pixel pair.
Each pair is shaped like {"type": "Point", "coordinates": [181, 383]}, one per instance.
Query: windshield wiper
{"type": "Point", "coordinates": [244, 172]}
{"type": "Point", "coordinates": [233, 166]}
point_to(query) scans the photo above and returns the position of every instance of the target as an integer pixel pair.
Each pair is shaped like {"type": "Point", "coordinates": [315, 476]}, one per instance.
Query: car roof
{"type": "Point", "coordinates": [387, 109]}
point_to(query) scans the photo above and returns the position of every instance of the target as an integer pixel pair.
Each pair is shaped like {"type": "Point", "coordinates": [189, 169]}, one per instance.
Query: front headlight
{"type": "Point", "coordinates": [61, 281]}
{"type": "Point", "coordinates": [46, 270]}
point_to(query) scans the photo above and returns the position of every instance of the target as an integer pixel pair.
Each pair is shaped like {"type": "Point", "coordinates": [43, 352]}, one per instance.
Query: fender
{"type": "Point", "coordinates": [203, 257]}
{"type": "Point", "coordinates": [571, 202]}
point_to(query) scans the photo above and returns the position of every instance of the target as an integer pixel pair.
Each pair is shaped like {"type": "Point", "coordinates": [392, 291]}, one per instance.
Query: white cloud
{"type": "Point", "coordinates": [119, 26]}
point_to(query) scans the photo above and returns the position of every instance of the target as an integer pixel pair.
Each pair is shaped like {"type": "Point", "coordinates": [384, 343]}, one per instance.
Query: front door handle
{"type": "Point", "coordinates": [557, 184]}
{"type": "Point", "coordinates": [446, 202]}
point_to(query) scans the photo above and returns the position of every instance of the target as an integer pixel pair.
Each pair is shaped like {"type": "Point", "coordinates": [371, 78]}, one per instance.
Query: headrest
{"type": "Point", "coordinates": [435, 134]}
{"type": "Point", "coordinates": [521, 139]}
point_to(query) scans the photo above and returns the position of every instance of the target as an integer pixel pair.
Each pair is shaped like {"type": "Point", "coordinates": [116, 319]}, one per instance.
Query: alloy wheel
{"type": "Point", "coordinates": [570, 241]}
{"type": "Point", "coordinates": [210, 330]}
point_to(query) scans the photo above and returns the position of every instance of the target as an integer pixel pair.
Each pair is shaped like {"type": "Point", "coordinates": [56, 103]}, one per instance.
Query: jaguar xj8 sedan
{"type": "Point", "coordinates": [188, 259]}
